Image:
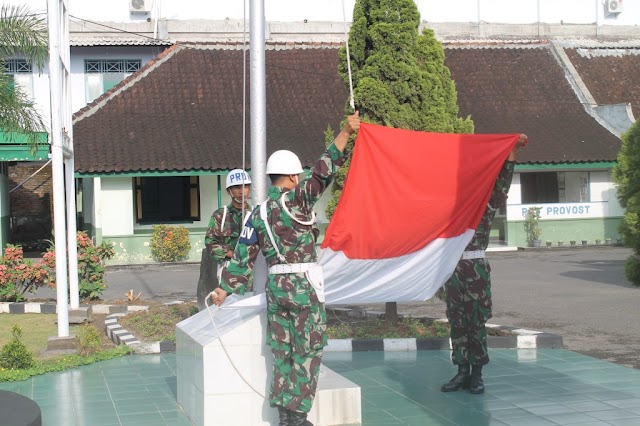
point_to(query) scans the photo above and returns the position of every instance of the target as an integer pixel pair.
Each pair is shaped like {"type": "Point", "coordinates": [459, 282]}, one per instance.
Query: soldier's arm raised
{"type": "Point", "coordinates": [352, 125]}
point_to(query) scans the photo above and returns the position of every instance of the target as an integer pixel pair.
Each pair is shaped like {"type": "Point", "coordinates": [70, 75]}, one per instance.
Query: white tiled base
{"type": "Point", "coordinates": [213, 391]}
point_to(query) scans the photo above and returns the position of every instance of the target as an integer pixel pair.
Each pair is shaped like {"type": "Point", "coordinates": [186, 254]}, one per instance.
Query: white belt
{"type": "Point", "coordinates": [475, 254]}
{"type": "Point", "coordinates": [290, 268]}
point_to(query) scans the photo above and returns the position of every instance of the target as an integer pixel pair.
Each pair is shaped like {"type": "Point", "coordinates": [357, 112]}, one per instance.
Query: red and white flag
{"type": "Point", "coordinates": [410, 206]}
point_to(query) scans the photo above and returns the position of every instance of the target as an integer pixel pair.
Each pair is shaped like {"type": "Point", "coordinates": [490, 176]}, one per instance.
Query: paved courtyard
{"type": "Point", "coordinates": [524, 387]}
{"type": "Point", "coordinates": [580, 294]}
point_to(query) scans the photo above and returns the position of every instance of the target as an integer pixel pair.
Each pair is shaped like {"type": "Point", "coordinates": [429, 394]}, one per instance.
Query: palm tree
{"type": "Point", "coordinates": [23, 34]}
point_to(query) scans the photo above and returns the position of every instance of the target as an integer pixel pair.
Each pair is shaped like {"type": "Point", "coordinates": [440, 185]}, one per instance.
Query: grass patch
{"type": "Point", "coordinates": [62, 363]}
{"type": "Point", "coordinates": [36, 329]}
{"type": "Point", "coordinates": [377, 329]}
{"type": "Point", "coordinates": [159, 322]}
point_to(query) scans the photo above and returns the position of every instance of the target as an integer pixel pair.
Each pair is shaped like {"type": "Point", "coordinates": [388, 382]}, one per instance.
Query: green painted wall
{"type": "Point", "coordinates": [566, 230]}
{"type": "Point", "coordinates": [131, 249]}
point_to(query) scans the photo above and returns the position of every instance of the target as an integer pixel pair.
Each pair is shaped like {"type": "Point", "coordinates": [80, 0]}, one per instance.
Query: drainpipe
{"type": "Point", "coordinates": [219, 192]}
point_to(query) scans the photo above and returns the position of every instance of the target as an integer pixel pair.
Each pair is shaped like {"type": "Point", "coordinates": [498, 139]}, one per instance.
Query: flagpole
{"type": "Point", "coordinates": [258, 103]}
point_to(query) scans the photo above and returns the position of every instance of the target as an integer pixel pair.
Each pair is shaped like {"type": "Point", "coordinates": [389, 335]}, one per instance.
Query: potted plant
{"type": "Point", "coordinates": [584, 242]}
{"type": "Point", "coordinates": [598, 241]}
{"type": "Point", "coordinates": [572, 242]}
{"type": "Point", "coordinates": [548, 243]}
{"type": "Point", "coordinates": [560, 243]}
{"type": "Point", "coordinates": [532, 226]}
{"type": "Point", "coordinates": [607, 241]}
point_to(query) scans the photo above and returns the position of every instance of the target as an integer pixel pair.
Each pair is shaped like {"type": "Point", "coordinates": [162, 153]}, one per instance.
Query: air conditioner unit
{"type": "Point", "coordinates": [614, 6]}
{"type": "Point", "coordinates": [140, 6]}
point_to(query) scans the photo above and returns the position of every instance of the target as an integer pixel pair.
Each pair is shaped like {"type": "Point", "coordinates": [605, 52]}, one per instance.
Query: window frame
{"type": "Point", "coordinates": [191, 188]}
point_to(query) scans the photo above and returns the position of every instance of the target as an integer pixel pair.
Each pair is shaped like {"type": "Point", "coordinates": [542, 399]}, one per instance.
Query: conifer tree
{"type": "Point", "coordinates": [399, 76]}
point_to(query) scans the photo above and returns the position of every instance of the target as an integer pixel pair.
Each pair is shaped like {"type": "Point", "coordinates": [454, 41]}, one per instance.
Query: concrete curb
{"type": "Point", "coordinates": [520, 339]}
{"type": "Point", "coordinates": [51, 308]}
{"type": "Point", "coordinates": [120, 336]}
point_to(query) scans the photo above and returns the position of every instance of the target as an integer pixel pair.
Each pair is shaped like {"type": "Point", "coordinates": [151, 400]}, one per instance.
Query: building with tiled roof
{"type": "Point", "coordinates": [156, 119]}
{"type": "Point", "coordinates": [181, 115]}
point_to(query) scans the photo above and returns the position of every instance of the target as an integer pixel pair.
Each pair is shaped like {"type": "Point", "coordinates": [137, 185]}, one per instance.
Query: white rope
{"type": "Point", "coordinates": [346, 37]}
{"type": "Point", "coordinates": [29, 178]}
{"type": "Point", "coordinates": [244, 98]}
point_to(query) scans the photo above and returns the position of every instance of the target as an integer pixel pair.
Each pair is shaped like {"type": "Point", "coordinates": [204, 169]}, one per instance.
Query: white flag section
{"type": "Point", "coordinates": [412, 277]}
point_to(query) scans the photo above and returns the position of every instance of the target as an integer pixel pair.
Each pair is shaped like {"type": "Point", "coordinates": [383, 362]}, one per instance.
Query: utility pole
{"type": "Point", "coordinates": [64, 210]}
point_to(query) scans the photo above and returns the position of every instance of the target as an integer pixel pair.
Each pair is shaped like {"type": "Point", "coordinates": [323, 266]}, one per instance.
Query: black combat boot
{"type": "Point", "coordinates": [298, 419]}
{"type": "Point", "coordinates": [477, 385]}
{"type": "Point", "coordinates": [460, 380]}
{"type": "Point", "coordinates": [284, 416]}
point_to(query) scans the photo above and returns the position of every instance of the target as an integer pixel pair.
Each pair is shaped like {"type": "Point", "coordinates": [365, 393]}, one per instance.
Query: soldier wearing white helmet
{"type": "Point", "coordinates": [226, 222]}
{"type": "Point", "coordinates": [284, 230]}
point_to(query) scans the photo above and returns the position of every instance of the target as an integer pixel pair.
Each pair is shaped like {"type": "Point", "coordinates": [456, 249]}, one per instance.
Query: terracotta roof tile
{"type": "Point", "coordinates": [513, 90]}
{"type": "Point", "coordinates": [183, 110]}
{"type": "Point", "coordinates": [611, 75]}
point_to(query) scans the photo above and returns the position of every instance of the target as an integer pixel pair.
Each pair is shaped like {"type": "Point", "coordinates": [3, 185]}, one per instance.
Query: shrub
{"type": "Point", "coordinates": [170, 243]}
{"type": "Point", "coordinates": [15, 354]}
{"type": "Point", "coordinates": [19, 276]}
{"type": "Point", "coordinates": [532, 223]}
{"type": "Point", "coordinates": [91, 262]}
{"type": "Point", "coordinates": [626, 175]}
{"type": "Point", "coordinates": [632, 269]}
{"type": "Point", "coordinates": [89, 339]}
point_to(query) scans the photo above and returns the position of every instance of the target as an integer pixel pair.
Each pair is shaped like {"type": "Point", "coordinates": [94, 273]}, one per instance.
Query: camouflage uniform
{"type": "Point", "coordinates": [296, 319]}
{"type": "Point", "coordinates": [219, 241]}
{"type": "Point", "coordinates": [468, 291]}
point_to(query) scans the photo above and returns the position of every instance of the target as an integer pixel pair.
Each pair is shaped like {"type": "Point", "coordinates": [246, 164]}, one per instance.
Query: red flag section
{"type": "Point", "coordinates": [407, 188]}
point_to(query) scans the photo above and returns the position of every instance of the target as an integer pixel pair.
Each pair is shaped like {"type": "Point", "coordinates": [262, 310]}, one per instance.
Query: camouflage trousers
{"type": "Point", "coordinates": [297, 335]}
{"type": "Point", "coordinates": [468, 296]}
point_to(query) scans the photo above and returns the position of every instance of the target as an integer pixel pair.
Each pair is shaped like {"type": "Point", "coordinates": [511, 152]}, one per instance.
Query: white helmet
{"type": "Point", "coordinates": [284, 162]}
{"type": "Point", "coordinates": [238, 177]}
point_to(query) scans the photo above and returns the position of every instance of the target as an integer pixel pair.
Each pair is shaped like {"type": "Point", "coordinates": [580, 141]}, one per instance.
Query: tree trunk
{"type": "Point", "coordinates": [391, 313]}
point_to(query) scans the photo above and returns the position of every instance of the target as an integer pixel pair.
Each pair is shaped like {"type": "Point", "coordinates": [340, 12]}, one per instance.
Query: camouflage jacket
{"type": "Point", "coordinates": [480, 240]}
{"type": "Point", "coordinates": [220, 237]}
{"type": "Point", "coordinates": [296, 242]}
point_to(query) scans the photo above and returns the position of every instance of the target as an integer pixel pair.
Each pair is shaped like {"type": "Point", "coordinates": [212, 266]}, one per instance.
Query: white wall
{"type": "Point", "coordinates": [495, 11]}
{"type": "Point", "coordinates": [79, 54]}
{"type": "Point", "coordinates": [603, 189]}
{"type": "Point", "coordinates": [117, 206]}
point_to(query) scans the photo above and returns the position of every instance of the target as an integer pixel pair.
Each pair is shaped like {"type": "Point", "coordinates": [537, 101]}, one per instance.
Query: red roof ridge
{"type": "Point", "coordinates": [125, 84]}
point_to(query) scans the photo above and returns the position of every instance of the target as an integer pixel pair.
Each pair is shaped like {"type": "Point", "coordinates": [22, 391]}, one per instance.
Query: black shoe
{"type": "Point", "coordinates": [298, 419]}
{"type": "Point", "coordinates": [477, 385]}
{"type": "Point", "coordinates": [284, 416]}
{"type": "Point", "coordinates": [459, 381]}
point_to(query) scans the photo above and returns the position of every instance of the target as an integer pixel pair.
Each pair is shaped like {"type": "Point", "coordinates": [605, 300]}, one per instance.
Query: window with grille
{"type": "Point", "coordinates": [103, 74]}
{"type": "Point", "coordinates": [22, 75]}
{"type": "Point", "coordinates": [167, 199]}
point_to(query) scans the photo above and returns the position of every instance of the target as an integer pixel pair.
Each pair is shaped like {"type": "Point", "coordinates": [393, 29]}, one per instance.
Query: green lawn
{"type": "Point", "coordinates": [36, 329]}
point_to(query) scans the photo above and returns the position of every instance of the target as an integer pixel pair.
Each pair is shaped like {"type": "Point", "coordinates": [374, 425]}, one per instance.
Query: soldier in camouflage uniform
{"type": "Point", "coordinates": [468, 293]}
{"type": "Point", "coordinates": [226, 222]}
{"type": "Point", "coordinates": [295, 304]}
